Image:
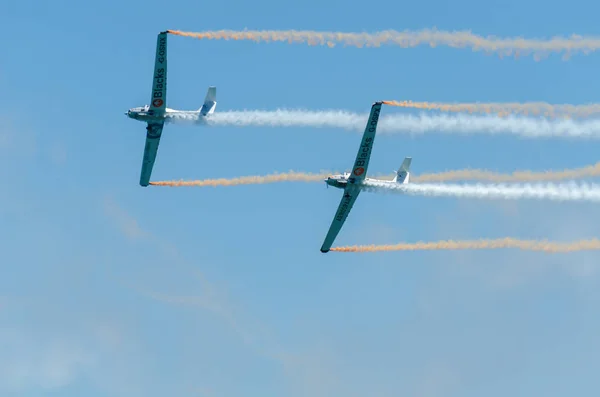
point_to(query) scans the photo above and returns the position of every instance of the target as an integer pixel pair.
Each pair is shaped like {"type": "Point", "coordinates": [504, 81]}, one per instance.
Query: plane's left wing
{"type": "Point", "coordinates": [150, 150]}
{"type": "Point", "coordinates": [350, 195]}
{"type": "Point", "coordinates": [158, 101]}
{"type": "Point", "coordinates": [361, 163]}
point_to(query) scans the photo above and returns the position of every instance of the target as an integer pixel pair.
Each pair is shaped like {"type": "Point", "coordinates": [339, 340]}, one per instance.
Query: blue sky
{"type": "Point", "coordinates": [110, 289]}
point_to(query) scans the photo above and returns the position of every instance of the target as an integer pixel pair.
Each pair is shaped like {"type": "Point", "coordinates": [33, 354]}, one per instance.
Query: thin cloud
{"type": "Point", "coordinates": [30, 362]}
{"type": "Point", "coordinates": [210, 298]}
{"type": "Point", "coordinates": [126, 223]}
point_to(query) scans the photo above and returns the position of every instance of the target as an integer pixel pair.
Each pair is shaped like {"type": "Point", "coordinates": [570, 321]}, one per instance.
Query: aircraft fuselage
{"type": "Point", "coordinates": [340, 181]}
{"type": "Point", "coordinates": [147, 115]}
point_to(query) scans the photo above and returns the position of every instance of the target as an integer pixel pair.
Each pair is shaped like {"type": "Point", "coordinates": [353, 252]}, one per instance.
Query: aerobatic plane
{"type": "Point", "coordinates": [157, 113]}
{"type": "Point", "coordinates": [352, 182]}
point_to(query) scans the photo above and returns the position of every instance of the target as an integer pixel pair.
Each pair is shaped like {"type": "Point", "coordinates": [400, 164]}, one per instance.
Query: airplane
{"type": "Point", "coordinates": [352, 182]}
{"type": "Point", "coordinates": [157, 113]}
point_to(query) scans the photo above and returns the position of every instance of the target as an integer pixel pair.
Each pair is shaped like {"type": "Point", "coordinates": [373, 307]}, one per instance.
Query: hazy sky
{"type": "Point", "coordinates": [110, 289]}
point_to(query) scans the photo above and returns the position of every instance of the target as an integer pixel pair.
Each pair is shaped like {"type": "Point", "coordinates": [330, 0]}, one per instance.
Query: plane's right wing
{"type": "Point", "coordinates": [158, 101]}
{"type": "Point", "coordinates": [361, 163]}
{"type": "Point", "coordinates": [150, 150]}
{"type": "Point", "coordinates": [350, 195]}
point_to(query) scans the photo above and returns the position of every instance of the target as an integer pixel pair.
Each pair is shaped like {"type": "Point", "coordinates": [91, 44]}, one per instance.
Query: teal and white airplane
{"type": "Point", "coordinates": [352, 182]}
{"type": "Point", "coordinates": [157, 114]}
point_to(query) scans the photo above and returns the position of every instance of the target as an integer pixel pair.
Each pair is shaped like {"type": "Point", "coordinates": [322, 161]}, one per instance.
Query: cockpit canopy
{"type": "Point", "coordinates": [345, 175]}
{"type": "Point", "coordinates": [140, 109]}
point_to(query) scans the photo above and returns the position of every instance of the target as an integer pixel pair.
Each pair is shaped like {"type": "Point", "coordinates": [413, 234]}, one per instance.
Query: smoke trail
{"type": "Point", "coordinates": [505, 109]}
{"type": "Point", "coordinates": [401, 123]}
{"type": "Point", "coordinates": [464, 175]}
{"type": "Point", "coordinates": [458, 39]}
{"type": "Point", "coordinates": [508, 242]}
{"type": "Point", "coordinates": [517, 176]}
{"type": "Point", "coordinates": [555, 192]}
{"type": "Point", "coordinates": [291, 176]}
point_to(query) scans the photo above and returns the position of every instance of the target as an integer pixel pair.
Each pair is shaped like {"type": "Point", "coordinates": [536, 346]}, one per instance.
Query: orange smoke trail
{"type": "Point", "coordinates": [458, 175]}
{"type": "Point", "coordinates": [505, 109]}
{"type": "Point", "coordinates": [291, 176]}
{"type": "Point", "coordinates": [503, 243]}
{"type": "Point", "coordinates": [407, 39]}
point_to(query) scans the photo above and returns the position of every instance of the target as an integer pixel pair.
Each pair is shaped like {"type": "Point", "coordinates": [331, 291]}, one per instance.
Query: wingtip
{"type": "Point", "coordinates": [324, 251]}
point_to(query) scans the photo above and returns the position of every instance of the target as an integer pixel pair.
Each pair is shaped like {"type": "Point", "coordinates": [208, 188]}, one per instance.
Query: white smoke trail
{"type": "Point", "coordinates": [407, 124]}
{"type": "Point", "coordinates": [543, 191]}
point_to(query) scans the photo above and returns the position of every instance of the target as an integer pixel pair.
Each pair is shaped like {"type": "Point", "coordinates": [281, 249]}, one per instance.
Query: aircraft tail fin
{"type": "Point", "coordinates": [210, 101]}
{"type": "Point", "coordinates": [403, 173]}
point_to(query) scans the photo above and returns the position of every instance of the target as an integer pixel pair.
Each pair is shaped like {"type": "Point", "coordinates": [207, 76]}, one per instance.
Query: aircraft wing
{"type": "Point", "coordinates": [359, 172]}
{"type": "Point", "coordinates": [350, 195]}
{"type": "Point", "coordinates": [158, 101]}
{"type": "Point", "coordinates": [158, 107]}
{"type": "Point", "coordinates": [361, 163]}
{"type": "Point", "coordinates": [150, 150]}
